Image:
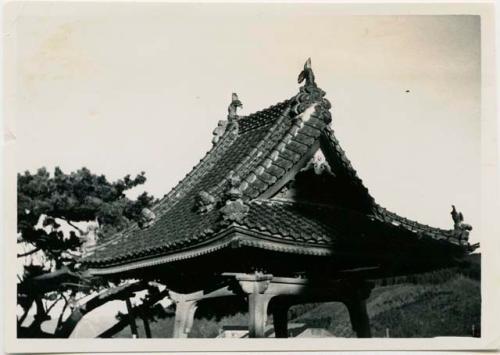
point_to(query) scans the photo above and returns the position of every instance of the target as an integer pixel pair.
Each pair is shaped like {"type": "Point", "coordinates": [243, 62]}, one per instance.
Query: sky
{"type": "Point", "coordinates": [122, 88]}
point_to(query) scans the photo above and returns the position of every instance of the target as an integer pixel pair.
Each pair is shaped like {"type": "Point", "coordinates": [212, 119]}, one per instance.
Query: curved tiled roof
{"type": "Point", "coordinates": [264, 150]}
{"type": "Point", "coordinates": [240, 150]}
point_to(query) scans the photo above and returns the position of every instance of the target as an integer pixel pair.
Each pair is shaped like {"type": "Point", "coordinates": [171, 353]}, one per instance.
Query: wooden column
{"type": "Point", "coordinates": [184, 316]}
{"type": "Point", "coordinates": [359, 318]}
{"type": "Point", "coordinates": [255, 286]}
{"type": "Point", "coordinates": [357, 293]}
{"type": "Point", "coordinates": [186, 305]}
{"type": "Point", "coordinates": [280, 320]}
{"type": "Point", "coordinates": [257, 312]}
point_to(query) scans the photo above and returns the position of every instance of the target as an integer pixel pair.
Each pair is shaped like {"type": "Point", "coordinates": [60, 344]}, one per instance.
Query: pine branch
{"type": "Point", "coordinates": [53, 304]}
{"type": "Point", "coordinates": [115, 293]}
{"type": "Point", "coordinates": [73, 225]}
{"type": "Point", "coordinates": [28, 253]}
{"type": "Point", "coordinates": [122, 323]}
{"type": "Point", "coordinates": [66, 303]}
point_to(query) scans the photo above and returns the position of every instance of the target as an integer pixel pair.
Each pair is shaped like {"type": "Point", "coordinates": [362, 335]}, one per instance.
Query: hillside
{"type": "Point", "coordinates": [409, 310]}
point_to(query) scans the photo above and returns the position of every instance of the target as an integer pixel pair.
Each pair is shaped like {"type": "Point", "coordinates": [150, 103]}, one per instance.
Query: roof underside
{"type": "Point", "coordinates": [265, 150]}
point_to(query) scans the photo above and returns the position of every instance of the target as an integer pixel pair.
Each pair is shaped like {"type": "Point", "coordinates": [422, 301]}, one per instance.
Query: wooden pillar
{"type": "Point", "coordinates": [280, 320]}
{"type": "Point", "coordinates": [186, 305]}
{"type": "Point", "coordinates": [257, 312]}
{"type": "Point", "coordinates": [255, 286]}
{"type": "Point", "coordinates": [359, 318]}
{"type": "Point", "coordinates": [184, 315]}
{"type": "Point", "coordinates": [356, 292]}
{"type": "Point", "coordinates": [190, 317]}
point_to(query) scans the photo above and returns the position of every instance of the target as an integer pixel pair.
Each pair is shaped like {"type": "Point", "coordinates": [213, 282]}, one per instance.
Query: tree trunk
{"type": "Point", "coordinates": [116, 293]}
{"type": "Point", "coordinates": [137, 310]}
{"type": "Point", "coordinates": [131, 318]}
{"type": "Point", "coordinates": [147, 329]}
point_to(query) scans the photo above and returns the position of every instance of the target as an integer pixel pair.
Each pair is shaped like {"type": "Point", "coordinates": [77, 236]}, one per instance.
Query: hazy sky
{"type": "Point", "coordinates": [124, 88]}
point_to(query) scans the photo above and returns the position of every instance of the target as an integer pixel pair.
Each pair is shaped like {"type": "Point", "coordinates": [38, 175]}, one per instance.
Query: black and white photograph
{"type": "Point", "coordinates": [231, 171]}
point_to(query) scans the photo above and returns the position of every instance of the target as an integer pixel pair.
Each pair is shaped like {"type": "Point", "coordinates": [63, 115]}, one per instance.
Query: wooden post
{"type": "Point", "coordinates": [186, 305]}
{"type": "Point", "coordinates": [190, 317]}
{"type": "Point", "coordinates": [257, 312]}
{"type": "Point", "coordinates": [280, 320]}
{"type": "Point", "coordinates": [131, 317]}
{"type": "Point", "coordinates": [359, 318]}
{"type": "Point", "coordinates": [184, 315]}
{"type": "Point", "coordinates": [255, 286]}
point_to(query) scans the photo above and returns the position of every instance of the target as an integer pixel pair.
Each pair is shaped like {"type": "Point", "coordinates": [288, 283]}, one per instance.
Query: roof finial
{"type": "Point", "coordinates": [460, 228]}
{"type": "Point", "coordinates": [307, 74]}
{"type": "Point", "coordinates": [233, 107]}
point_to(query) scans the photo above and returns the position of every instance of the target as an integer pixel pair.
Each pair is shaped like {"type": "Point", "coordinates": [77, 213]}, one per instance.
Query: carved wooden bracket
{"type": "Point", "coordinates": [254, 283]}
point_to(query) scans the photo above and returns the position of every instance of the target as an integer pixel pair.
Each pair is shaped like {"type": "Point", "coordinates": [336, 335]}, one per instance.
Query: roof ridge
{"type": "Point", "coordinates": [382, 214]}
{"type": "Point", "coordinates": [226, 140]}
{"type": "Point", "coordinates": [251, 155]}
{"type": "Point", "coordinates": [293, 147]}
{"type": "Point", "coordinates": [279, 146]}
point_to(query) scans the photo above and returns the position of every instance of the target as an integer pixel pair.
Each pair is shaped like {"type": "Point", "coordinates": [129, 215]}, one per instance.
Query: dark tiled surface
{"type": "Point", "coordinates": [176, 219]}
{"type": "Point", "coordinates": [291, 221]}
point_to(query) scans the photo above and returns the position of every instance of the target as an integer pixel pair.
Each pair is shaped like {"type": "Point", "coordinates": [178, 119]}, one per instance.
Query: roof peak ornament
{"type": "Point", "coordinates": [460, 229]}
{"type": "Point", "coordinates": [233, 107]}
{"type": "Point", "coordinates": [311, 94]}
{"type": "Point", "coordinates": [232, 120]}
{"type": "Point", "coordinates": [307, 74]}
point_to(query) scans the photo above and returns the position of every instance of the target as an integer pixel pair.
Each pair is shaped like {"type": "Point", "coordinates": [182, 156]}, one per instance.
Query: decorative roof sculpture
{"type": "Point", "coordinates": [255, 189]}
{"type": "Point", "coordinates": [233, 107]}
{"type": "Point", "coordinates": [460, 228]}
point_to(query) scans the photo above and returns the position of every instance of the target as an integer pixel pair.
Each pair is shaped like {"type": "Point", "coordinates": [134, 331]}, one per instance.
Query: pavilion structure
{"type": "Point", "coordinates": [276, 215]}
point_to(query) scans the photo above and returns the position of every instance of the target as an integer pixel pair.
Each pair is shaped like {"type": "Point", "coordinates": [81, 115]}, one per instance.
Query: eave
{"type": "Point", "coordinates": [232, 237]}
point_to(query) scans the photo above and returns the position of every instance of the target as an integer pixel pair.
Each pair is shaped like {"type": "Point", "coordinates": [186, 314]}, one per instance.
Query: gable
{"type": "Point", "coordinates": [317, 182]}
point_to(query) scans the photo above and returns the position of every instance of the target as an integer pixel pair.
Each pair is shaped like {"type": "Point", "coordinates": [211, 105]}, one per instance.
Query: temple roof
{"type": "Point", "coordinates": [236, 188]}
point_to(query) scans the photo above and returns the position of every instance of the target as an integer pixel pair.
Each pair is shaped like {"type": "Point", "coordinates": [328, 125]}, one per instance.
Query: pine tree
{"type": "Point", "coordinates": [51, 210]}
